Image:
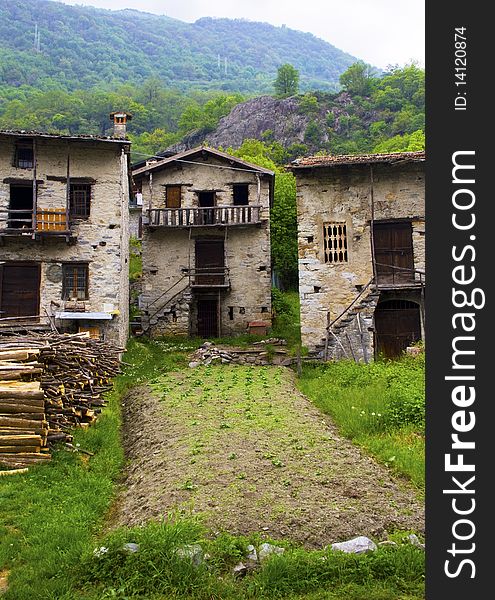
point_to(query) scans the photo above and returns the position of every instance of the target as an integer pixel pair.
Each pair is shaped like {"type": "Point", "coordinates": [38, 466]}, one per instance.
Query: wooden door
{"type": "Point", "coordinates": [397, 325]}
{"type": "Point", "coordinates": [209, 262]}
{"type": "Point", "coordinates": [19, 290]}
{"type": "Point", "coordinates": [394, 258]}
{"type": "Point", "coordinates": [173, 196]}
{"type": "Point", "coordinates": [207, 317]}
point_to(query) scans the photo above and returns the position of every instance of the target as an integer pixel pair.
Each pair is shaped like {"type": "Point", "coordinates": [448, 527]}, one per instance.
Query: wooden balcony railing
{"type": "Point", "coordinates": [390, 276]}
{"type": "Point", "coordinates": [50, 221]}
{"type": "Point", "coordinates": [209, 277]}
{"type": "Point", "coordinates": [204, 217]}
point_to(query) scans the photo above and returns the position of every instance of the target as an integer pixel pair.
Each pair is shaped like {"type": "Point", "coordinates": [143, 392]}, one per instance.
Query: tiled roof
{"type": "Point", "coordinates": [62, 136]}
{"type": "Point", "coordinates": [356, 159]}
{"type": "Point", "coordinates": [189, 155]}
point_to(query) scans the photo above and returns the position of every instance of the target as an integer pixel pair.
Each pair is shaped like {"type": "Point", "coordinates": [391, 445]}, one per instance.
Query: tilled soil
{"type": "Point", "coordinates": [250, 459]}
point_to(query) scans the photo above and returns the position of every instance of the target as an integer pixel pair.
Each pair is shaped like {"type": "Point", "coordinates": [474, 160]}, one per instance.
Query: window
{"type": "Point", "coordinates": [173, 196]}
{"type": "Point", "coordinates": [335, 242]}
{"type": "Point", "coordinates": [241, 194]}
{"type": "Point", "coordinates": [80, 200]}
{"type": "Point", "coordinates": [24, 154]}
{"type": "Point", "coordinates": [75, 281]}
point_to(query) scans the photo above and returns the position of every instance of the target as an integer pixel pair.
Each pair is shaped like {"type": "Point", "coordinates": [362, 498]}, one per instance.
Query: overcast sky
{"type": "Point", "coordinates": [381, 32]}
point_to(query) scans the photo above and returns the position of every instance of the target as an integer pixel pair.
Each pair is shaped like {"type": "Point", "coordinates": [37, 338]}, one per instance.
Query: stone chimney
{"type": "Point", "coordinates": [120, 119]}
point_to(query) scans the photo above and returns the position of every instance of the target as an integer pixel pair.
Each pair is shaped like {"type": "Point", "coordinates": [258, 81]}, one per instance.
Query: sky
{"type": "Point", "coordinates": [380, 32]}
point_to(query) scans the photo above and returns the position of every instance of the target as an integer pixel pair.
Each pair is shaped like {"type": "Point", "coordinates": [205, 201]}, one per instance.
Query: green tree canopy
{"type": "Point", "coordinates": [358, 79]}
{"type": "Point", "coordinates": [287, 82]}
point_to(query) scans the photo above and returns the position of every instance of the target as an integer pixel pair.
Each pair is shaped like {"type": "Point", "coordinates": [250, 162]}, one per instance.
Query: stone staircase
{"type": "Point", "coordinates": [169, 314]}
{"type": "Point", "coordinates": [350, 336]}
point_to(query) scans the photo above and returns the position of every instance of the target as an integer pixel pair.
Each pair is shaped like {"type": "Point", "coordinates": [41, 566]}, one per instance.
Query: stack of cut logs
{"type": "Point", "coordinates": [48, 385]}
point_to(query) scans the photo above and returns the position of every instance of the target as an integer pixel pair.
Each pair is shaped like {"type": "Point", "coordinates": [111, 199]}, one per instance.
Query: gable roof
{"type": "Point", "coordinates": [356, 159]}
{"type": "Point", "coordinates": [188, 156]}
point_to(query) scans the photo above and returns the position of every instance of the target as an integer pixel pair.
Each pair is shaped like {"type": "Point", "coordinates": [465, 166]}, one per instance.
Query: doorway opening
{"type": "Point", "coordinates": [207, 316]}
{"type": "Point", "coordinates": [397, 326]}
{"type": "Point", "coordinates": [210, 263]}
{"type": "Point", "coordinates": [207, 200]}
{"type": "Point", "coordinates": [20, 207]}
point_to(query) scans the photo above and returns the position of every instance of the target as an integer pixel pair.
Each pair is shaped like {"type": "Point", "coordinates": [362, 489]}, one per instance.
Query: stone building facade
{"type": "Point", "coordinates": [361, 238]}
{"type": "Point", "coordinates": [206, 244]}
{"type": "Point", "coordinates": [64, 233]}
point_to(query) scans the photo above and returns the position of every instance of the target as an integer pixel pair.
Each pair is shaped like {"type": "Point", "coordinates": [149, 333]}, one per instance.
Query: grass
{"type": "Point", "coordinates": [52, 519]}
{"type": "Point", "coordinates": [159, 571]}
{"type": "Point", "coordinates": [49, 516]}
{"type": "Point", "coordinates": [135, 260]}
{"type": "Point", "coordinates": [286, 323]}
{"type": "Point", "coordinates": [379, 406]}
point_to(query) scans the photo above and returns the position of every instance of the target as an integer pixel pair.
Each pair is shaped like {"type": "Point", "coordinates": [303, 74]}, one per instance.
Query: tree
{"type": "Point", "coordinates": [287, 82]}
{"type": "Point", "coordinates": [358, 79]}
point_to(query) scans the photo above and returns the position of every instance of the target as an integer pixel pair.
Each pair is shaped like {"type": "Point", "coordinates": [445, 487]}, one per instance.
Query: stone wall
{"type": "Point", "coordinates": [168, 253]}
{"type": "Point", "coordinates": [135, 222]}
{"type": "Point", "coordinates": [342, 194]}
{"type": "Point", "coordinates": [102, 240]}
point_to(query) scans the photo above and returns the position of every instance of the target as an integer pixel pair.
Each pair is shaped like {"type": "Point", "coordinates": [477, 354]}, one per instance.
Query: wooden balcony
{"type": "Point", "coordinates": [209, 277]}
{"type": "Point", "coordinates": [44, 222]}
{"type": "Point", "coordinates": [391, 277]}
{"type": "Point", "coordinates": [205, 217]}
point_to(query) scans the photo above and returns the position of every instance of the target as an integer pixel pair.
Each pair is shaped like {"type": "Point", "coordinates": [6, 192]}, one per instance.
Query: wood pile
{"type": "Point", "coordinates": [48, 385]}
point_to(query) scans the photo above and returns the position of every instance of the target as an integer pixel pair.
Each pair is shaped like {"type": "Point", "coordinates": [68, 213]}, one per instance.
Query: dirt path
{"type": "Point", "coordinates": [245, 448]}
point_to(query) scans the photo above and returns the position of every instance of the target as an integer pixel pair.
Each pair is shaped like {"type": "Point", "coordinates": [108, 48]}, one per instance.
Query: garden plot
{"type": "Point", "coordinates": [241, 446]}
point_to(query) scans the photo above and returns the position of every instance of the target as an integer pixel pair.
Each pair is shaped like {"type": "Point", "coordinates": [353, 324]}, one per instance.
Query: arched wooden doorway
{"type": "Point", "coordinates": [397, 325]}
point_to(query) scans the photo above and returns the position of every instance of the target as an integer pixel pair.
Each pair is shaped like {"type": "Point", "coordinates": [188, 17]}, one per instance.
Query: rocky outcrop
{"type": "Point", "coordinates": [264, 117]}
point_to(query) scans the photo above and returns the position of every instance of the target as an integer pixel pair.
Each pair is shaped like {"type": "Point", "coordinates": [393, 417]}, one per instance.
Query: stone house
{"type": "Point", "coordinates": [361, 239]}
{"type": "Point", "coordinates": [206, 244]}
{"type": "Point", "coordinates": [64, 232]}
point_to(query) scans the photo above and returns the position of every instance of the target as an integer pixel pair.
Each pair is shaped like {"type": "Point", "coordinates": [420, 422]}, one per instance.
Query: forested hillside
{"type": "Point", "coordinates": [65, 68]}
{"type": "Point", "coordinates": [81, 47]}
{"type": "Point", "coordinates": [371, 114]}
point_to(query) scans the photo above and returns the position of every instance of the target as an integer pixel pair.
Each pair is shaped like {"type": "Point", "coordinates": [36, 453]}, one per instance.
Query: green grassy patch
{"type": "Point", "coordinates": [52, 519]}
{"type": "Point", "coordinates": [286, 321]}
{"type": "Point", "coordinates": [160, 570]}
{"type": "Point", "coordinates": [49, 516]}
{"type": "Point", "coordinates": [135, 259]}
{"type": "Point", "coordinates": [380, 406]}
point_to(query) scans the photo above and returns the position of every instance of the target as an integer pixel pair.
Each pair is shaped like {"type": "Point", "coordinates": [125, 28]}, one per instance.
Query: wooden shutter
{"type": "Point", "coordinates": [393, 253]}
{"type": "Point", "coordinates": [173, 196]}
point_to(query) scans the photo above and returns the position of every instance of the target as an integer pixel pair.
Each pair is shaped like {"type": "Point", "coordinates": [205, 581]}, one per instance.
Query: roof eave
{"type": "Point", "coordinates": [183, 155]}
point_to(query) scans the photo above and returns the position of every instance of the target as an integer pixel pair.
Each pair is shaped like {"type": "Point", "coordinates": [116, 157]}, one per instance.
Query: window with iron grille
{"type": "Point", "coordinates": [24, 154]}
{"type": "Point", "coordinates": [75, 281]}
{"type": "Point", "coordinates": [335, 242]}
{"type": "Point", "coordinates": [80, 200]}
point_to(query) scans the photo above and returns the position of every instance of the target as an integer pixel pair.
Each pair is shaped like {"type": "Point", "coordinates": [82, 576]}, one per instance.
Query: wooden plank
{"type": "Point", "coordinates": [26, 401]}
{"type": "Point", "coordinates": [20, 389]}
{"type": "Point", "coordinates": [13, 472]}
{"type": "Point", "coordinates": [25, 415]}
{"type": "Point", "coordinates": [18, 449]}
{"type": "Point", "coordinates": [21, 423]}
{"type": "Point", "coordinates": [27, 456]}
{"type": "Point", "coordinates": [8, 408]}
{"type": "Point", "coordinates": [23, 354]}
{"type": "Point", "coordinates": [20, 440]}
